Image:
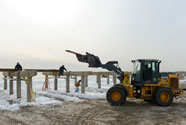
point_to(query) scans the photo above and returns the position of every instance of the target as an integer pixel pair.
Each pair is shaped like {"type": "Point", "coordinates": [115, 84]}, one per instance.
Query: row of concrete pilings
{"type": "Point", "coordinates": [28, 76]}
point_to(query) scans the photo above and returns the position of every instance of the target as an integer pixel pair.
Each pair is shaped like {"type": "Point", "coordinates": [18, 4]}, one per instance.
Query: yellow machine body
{"type": "Point", "coordinates": [148, 90]}
{"type": "Point", "coordinates": [146, 82]}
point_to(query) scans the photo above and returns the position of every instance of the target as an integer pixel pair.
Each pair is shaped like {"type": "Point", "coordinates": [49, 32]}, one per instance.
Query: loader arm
{"type": "Point", "coordinates": [94, 62]}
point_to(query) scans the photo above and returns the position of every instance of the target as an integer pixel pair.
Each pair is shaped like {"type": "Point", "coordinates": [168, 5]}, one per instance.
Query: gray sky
{"type": "Point", "coordinates": [36, 33]}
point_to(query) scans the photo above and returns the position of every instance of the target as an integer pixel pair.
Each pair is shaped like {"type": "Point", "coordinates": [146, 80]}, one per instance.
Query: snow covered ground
{"type": "Point", "coordinates": [50, 96]}
{"type": "Point", "coordinates": [9, 102]}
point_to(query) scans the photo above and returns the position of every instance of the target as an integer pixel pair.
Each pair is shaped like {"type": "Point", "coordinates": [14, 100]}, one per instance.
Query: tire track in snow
{"type": "Point", "coordinates": [89, 116]}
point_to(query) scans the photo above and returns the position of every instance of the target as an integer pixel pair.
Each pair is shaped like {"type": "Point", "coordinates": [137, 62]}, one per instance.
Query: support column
{"type": "Point", "coordinates": [114, 79]}
{"type": "Point", "coordinates": [75, 79]}
{"type": "Point", "coordinates": [86, 81]}
{"type": "Point", "coordinates": [18, 86]}
{"type": "Point", "coordinates": [31, 83]}
{"type": "Point", "coordinates": [108, 79]}
{"type": "Point", "coordinates": [83, 80]}
{"type": "Point", "coordinates": [11, 85]}
{"type": "Point", "coordinates": [29, 89]}
{"type": "Point", "coordinates": [99, 81]}
{"type": "Point", "coordinates": [67, 83]}
{"type": "Point", "coordinates": [55, 82]}
{"type": "Point", "coordinates": [5, 82]}
{"type": "Point", "coordinates": [46, 86]}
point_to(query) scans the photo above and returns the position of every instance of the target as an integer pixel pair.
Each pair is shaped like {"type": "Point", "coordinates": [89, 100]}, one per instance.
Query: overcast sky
{"type": "Point", "coordinates": [36, 33]}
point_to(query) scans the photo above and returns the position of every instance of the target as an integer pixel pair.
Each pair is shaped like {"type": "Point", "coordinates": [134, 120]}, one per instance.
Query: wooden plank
{"type": "Point", "coordinates": [22, 73]}
{"type": "Point", "coordinates": [50, 73]}
{"type": "Point", "coordinates": [6, 70]}
{"type": "Point", "coordinates": [78, 73]}
{"type": "Point", "coordinates": [57, 70]}
{"type": "Point", "coordinates": [102, 73]}
{"type": "Point", "coordinates": [72, 73]}
{"type": "Point", "coordinates": [43, 70]}
{"type": "Point", "coordinates": [38, 70]}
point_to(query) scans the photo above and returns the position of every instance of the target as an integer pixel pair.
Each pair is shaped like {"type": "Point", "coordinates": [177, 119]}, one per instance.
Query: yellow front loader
{"type": "Point", "coordinates": [145, 82]}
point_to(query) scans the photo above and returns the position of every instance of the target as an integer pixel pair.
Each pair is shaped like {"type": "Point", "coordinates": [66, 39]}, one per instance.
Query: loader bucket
{"type": "Point", "coordinates": [93, 61]}
{"type": "Point", "coordinates": [82, 58]}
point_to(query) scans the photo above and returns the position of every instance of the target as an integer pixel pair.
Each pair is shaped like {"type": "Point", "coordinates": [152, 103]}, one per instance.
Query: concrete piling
{"type": "Point", "coordinates": [114, 79]}
{"type": "Point", "coordinates": [11, 87]}
{"type": "Point", "coordinates": [68, 83]}
{"type": "Point", "coordinates": [55, 82]}
{"type": "Point", "coordinates": [5, 82]}
{"type": "Point", "coordinates": [83, 83]}
{"type": "Point", "coordinates": [108, 79]}
{"type": "Point", "coordinates": [99, 81]}
{"type": "Point", "coordinates": [18, 85]}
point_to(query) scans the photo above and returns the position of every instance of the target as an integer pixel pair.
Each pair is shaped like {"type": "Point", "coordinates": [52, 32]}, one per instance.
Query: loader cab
{"type": "Point", "coordinates": [145, 71]}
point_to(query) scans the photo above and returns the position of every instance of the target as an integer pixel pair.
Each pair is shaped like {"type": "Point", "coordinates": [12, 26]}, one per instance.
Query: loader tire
{"type": "Point", "coordinates": [163, 96]}
{"type": "Point", "coordinates": [116, 95]}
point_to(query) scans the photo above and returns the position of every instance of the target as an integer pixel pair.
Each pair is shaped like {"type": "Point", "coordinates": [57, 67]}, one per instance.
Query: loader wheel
{"type": "Point", "coordinates": [163, 96]}
{"type": "Point", "coordinates": [116, 95]}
